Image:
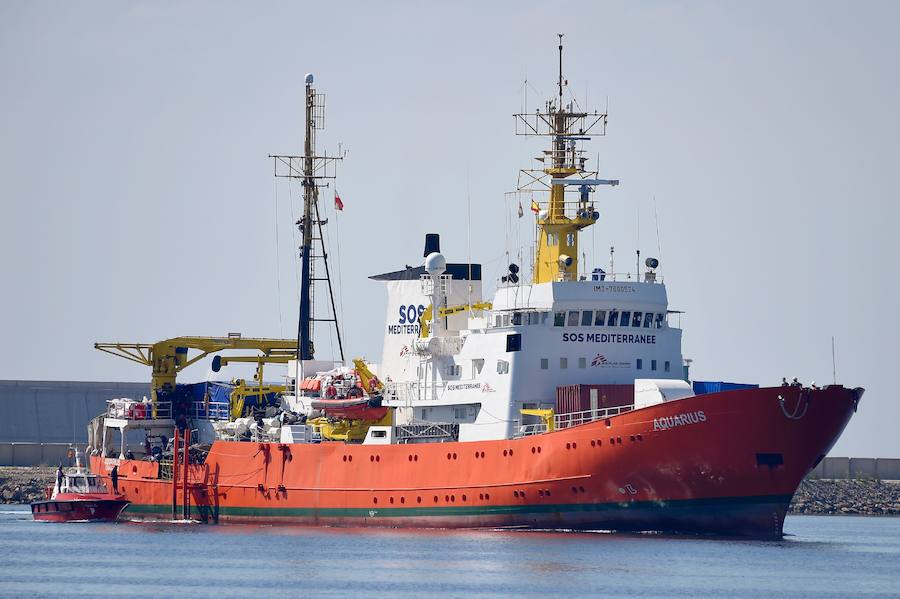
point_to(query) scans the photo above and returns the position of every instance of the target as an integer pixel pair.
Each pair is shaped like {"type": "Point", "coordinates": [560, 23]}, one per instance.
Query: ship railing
{"type": "Point", "coordinates": [206, 410]}
{"type": "Point", "coordinates": [444, 431]}
{"type": "Point", "coordinates": [570, 419]}
{"type": "Point", "coordinates": [131, 409]}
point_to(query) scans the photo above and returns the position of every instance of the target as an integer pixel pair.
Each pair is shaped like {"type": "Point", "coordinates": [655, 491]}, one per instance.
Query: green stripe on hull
{"type": "Point", "coordinates": [469, 510]}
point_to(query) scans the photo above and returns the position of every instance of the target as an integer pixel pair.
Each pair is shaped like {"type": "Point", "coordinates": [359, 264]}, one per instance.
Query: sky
{"type": "Point", "coordinates": [759, 139]}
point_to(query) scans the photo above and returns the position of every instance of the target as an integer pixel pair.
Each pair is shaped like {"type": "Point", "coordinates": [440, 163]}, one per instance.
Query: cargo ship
{"type": "Point", "coordinates": [563, 402]}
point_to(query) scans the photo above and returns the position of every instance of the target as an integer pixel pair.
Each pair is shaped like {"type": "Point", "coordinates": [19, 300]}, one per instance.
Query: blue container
{"type": "Point", "coordinates": [704, 387]}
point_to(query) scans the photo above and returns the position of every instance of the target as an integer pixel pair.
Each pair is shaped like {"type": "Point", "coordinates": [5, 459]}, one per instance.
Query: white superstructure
{"type": "Point", "coordinates": [478, 368]}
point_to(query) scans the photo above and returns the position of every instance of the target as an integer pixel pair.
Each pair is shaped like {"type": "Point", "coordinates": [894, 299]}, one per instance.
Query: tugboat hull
{"type": "Point", "coordinates": [68, 510]}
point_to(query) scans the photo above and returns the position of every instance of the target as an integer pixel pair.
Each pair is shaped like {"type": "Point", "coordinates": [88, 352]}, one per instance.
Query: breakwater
{"type": "Point", "coordinates": [843, 497]}
{"type": "Point", "coordinates": [24, 485]}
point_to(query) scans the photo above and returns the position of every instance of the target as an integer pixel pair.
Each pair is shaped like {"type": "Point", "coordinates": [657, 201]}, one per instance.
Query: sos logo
{"type": "Point", "coordinates": [411, 313]}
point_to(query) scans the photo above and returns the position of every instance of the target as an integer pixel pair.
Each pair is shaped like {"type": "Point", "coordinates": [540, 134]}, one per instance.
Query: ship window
{"type": "Point", "coordinates": [652, 364]}
{"type": "Point", "coordinates": [659, 320]}
{"type": "Point", "coordinates": [459, 413]}
{"type": "Point", "coordinates": [613, 318]}
{"type": "Point", "coordinates": [639, 364]}
{"type": "Point", "coordinates": [648, 318]}
{"type": "Point", "coordinates": [666, 366]}
{"type": "Point", "coordinates": [559, 319]}
{"type": "Point", "coordinates": [626, 316]}
{"type": "Point", "coordinates": [514, 342]}
{"type": "Point", "coordinates": [552, 239]}
{"type": "Point", "coordinates": [564, 363]}
{"type": "Point", "coordinates": [379, 434]}
{"type": "Point", "coordinates": [636, 319]}
{"type": "Point", "coordinates": [587, 317]}
{"type": "Point", "coordinates": [600, 318]}
{"type": "Point", "coordinates": [517, 318]}
{"type": "Point", "coordinates": [506, 320]}
{"type": "Point", "coordinates": [497, 320]}
{"type": "Point", "coordinates": [477, 365]}
{"type": "Point", "coordinates": [570, 239]}
{"type": "Point", "coordinates": [573, 318]}
{"type": "Point", "coordinates": [582, 362]}
{"type": "Point", "coordinates": [545, 363]}
{"type": "Point", "coordinates": [544, 317]}
{"type": "Point", "coordinates": [502, 367]}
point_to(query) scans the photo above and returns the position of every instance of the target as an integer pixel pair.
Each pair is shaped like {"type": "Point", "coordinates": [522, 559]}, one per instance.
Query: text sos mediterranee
{"type": "Point", "coordinates": [407, 321]}
{"type": "Point", "coordinates": [608, 338]}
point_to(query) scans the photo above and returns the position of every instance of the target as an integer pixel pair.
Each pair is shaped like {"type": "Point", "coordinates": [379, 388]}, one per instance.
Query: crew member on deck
{"type": "Point", "coordinates": [114, 477]}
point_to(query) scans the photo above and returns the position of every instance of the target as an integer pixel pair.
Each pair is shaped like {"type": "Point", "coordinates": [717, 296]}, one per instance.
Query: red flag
{"type": "Point", "coordinates": [338, 204]}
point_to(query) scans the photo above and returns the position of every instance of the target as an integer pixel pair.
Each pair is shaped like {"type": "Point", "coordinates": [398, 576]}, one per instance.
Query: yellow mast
{"type": "Point", "coordinates": [556, 255]}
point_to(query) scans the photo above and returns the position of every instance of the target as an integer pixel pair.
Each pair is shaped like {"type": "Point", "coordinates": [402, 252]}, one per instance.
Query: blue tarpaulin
{"type": "Point", "coordinates": [704, 387]}
{"type": "Point", "coordinates": [218, 392]}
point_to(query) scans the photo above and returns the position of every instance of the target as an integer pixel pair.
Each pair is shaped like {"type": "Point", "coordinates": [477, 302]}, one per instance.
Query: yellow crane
{"type": "Point", "coordinates": [448, 311]}
{"type": "Point", "coordinates": [169, 357]}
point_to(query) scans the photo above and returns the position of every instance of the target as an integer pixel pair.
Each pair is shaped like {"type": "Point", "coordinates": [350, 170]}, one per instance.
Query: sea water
{"type": "Point", "coordinates": [820, 556]}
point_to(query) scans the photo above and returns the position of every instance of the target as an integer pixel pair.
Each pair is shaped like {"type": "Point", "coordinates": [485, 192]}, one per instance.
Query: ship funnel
{"type": "Point", "coordinates": [432, 244]}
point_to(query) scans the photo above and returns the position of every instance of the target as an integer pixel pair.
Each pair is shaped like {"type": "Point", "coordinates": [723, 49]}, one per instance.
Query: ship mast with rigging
{"type": "Point", "coordinates": [313, 171]}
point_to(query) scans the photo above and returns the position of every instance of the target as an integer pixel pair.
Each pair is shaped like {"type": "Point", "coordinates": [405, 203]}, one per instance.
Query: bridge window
{"type": "Point", "coordinates": [559, 319]}
{"type": "Point", "coordinates": [639, 364]}
{"type": "Point", "coordinates": [545, 363]}
{"type": "Point", "coordinates": [659, 320]}
{"type": "Point", "coordinates": [587, 317]}
{"type": "Point", "coordinates": [600, 318]}
{"type": "Point", "coordinates": [563, 363]}
{"type": "Point", "coordinates": [626, 316]}
{"type": "Point", "coordinates": [613, 318]}
{"type": "Point", "coordinates": [573, 318]}
{"type": "Point", "coordinates": [570, 239]}
{"type": "Point", "coordinates": [517, 318]}
{"type": "Point", "coordinates": [648, 319]}
{"type": "Point", "coordinates": [652, 364]}
{"type": "Point", "coordinates": [582, 362]}
{"type": "Point", "coordinates": [666, 366]}
{"type": "Point", "coordinates": [514, 342]}
{"type": "Point", "coordinates": [636, 319]}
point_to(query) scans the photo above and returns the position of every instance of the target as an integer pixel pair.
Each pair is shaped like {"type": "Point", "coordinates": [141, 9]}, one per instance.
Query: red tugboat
{"type": "Point", "coordinates": [79, 495]}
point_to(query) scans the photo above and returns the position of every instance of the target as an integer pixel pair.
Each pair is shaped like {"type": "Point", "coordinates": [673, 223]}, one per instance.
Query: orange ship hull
{"type": "Point", "coordinates": [725, 463]}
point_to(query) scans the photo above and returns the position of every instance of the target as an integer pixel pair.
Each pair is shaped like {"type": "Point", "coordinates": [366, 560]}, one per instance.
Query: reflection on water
{"type": "Point", "coordinates": [820, 557]}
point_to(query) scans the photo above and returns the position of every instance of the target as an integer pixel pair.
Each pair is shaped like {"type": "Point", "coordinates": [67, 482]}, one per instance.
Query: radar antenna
{"type": "Point", "coordinates": [558, 221]}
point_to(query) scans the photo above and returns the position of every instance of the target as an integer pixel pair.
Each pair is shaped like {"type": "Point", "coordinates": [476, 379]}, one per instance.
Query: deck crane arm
{"type": "Point", "coordinates": [448, 311]}
{"type": "Point", "coordinates": [169, 357]}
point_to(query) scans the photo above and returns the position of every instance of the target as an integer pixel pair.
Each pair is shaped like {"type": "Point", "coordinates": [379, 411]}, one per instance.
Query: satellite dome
{"type": "Point", "coordinates": [435, 264]}
{"type": "Point", "coordinates": [309, 78]}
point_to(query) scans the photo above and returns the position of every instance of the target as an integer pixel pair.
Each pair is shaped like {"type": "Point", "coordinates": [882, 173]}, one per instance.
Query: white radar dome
{"type": "Point", "coordinates": [435, 264]}
{"type": "Point", "coordinates": [309, 78]}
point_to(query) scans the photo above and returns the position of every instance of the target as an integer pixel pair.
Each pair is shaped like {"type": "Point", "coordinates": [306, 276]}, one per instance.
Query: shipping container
{"type": "Point", "coordinates": [703, 387]}
{"type": "Point", "coordinates": [581, 398]}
